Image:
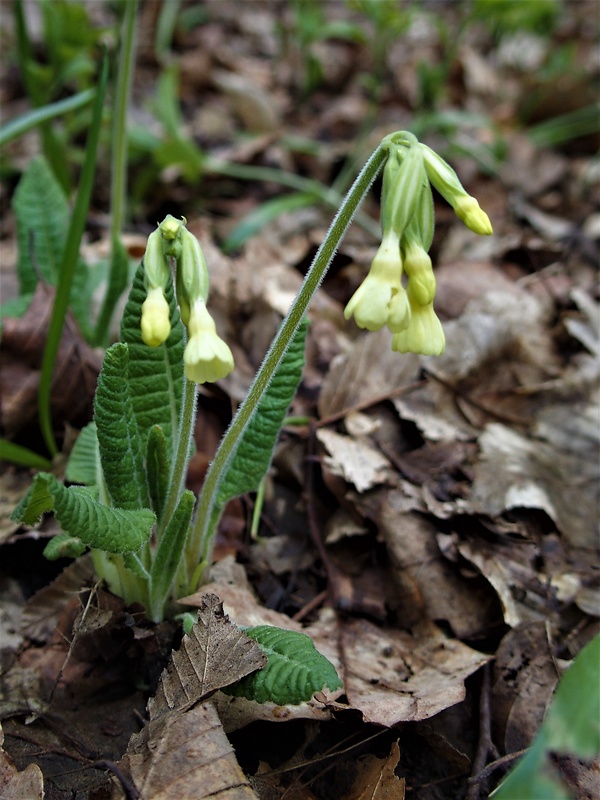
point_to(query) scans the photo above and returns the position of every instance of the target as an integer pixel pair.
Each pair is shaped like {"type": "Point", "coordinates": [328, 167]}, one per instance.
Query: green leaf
{"type": "Point", "coordinates": [295, 671]}
{"type": "Point", "coordinates": [265, 213]}
{"type": "Point", "coordinates": [80, 515]}
{"type": "Point", "coordinates": [42, 216]}
{"type": "Point", "coordinates": [31, 119]}
{"type": "Point", "coordinates": [157, 469]}
{"type": "Point", "coordinates": [571, 727]}
{"type": "Point", "coordinates": [119, 440]}
{"type": "Point", "coordinates": [254, 452]}
{"type": "Point", "coordinates": [83, 460]}
{"type": "Point", "coordinates": [155, 373]}
{"type": "Point", "coordinates": [169, 553]}
{"type": "Point", "coordinates": [17, 454]}
{"type": "Point", "coordinates": [63, 545]}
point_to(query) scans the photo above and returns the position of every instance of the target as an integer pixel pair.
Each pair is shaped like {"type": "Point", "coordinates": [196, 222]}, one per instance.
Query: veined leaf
{"type": "Point", "coordinates": [157, 468]}
{"type": "Point", "coordinates": [118, 436]}
{"type": "Point", "coordinates": [294, 672]}
{"type": "Point", "coordinates": [155, 373]}
{"type": "Point", "coordinates": [169, 553]}
{"type": "Point", "coordinates": [63, 545]}
{"type": "Point", "coordinates": [79, 514]}
{"type": "Point", "coordinates": [254, 453]}
{"type": "Point", "coordinates": [83, 460]}
{"type": "Point", "coordinates": [42, 215]}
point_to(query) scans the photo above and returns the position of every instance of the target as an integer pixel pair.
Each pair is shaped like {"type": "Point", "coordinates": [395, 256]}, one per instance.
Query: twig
{"type": "Point", "coordinates": [485, 745]}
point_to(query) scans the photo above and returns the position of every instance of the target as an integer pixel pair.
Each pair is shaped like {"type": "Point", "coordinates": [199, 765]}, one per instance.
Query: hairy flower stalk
{"type": "Point", "coordinates": [399, 289]}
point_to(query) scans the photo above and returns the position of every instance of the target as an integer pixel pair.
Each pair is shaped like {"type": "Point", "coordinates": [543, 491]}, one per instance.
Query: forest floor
{"type": "Point", "coordinates": [434, 527]}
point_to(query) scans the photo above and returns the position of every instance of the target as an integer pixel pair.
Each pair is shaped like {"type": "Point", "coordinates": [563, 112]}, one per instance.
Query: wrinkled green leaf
{"type": "Point", "coordinates": [83, 459]}
{"type": "Point", "coordinates": [255, 450]}
{"type": "Point", "coordinates": [295, 670]}
{"type": "Point", "coordinates": [63, 545]}
{"type": "Point", "coordinates": [118, 436]}
{"type": "Point", "coordinates": [169, 553]}
{"type": "Point", "coordinates": [157, 469]}
{"type": "Point", "coordinates": [80, 515]}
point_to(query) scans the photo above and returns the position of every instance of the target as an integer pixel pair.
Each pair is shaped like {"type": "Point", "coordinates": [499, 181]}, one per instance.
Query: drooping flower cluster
{"type": "Point", "coordinates": [206, 357]}
{"type": "Point", "coordinates": [399, 289]}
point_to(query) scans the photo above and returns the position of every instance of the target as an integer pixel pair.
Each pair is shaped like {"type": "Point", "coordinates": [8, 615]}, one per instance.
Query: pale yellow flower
{"type": "Point", "coordinates": [424, 334]}
{"type": "Point", "coordinates": [155, 322]}
{"type": "Point", "coordinates": [206, 358]}
{"type": "Point", "coordinates": [370, 303]}
{"type": "Point", "coordinates": [470, 212]}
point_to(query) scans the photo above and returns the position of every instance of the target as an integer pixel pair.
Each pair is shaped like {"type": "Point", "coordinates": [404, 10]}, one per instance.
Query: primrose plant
{"type": "Point", "coordinates": [151, 539]}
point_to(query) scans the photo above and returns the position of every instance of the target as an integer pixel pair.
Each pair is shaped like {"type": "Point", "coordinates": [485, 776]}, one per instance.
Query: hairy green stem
{"type": "Point", "coordinates": [199, 555]}
{"type": "Point", "coordinates": [182, 452]}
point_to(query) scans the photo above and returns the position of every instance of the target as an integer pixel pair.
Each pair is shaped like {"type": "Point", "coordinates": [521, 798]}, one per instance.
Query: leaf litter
{"type": "Point", "coordinates": [441, 515]}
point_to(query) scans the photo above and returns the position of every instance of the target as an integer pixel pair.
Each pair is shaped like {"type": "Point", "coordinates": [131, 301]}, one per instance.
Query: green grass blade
{"type": "Point", "coordinates": [69, 261]}
{"type": "Point", "coordinates": [23, 456]}
{"type": "Point", "coordinates": [17, 127]}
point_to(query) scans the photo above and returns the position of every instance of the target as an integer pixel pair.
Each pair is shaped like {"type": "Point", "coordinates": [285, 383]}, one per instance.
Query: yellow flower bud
{"type": "Point", "coordinates": [421, 279]}
{"type": "Point", "coordinates": [469, 211]}
{"type": "Point", "coordinates": [155, 322]}
{"type": "Point", "coordinates": [206, 357]}
{"type": "Point", "coordinates": [424, 334]}
{"type": "Point", "coordinates": [192, 274]}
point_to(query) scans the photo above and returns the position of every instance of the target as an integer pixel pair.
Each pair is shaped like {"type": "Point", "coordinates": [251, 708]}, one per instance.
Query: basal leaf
{"type": "Point", "coordinates": [119, 439]}
{"type": "Point", "coordinates": [42, 215]}
{"type": "Point", "coordinates": [254, 453]}
{"type": "Point", "coordinates": [82, 516]}
{"type": "Point", "coordinates": [157, 468]}
{"type": "Point", "coordinates": [294, 672]}
{"type": "Point", "coordinates": [83, 460]}
{"type": "Point", "coordinates": [169, 553]}
{"type": "Point", "coordinates": [63, 545]}
{"type": "Point", "coordinates": [155, 373]}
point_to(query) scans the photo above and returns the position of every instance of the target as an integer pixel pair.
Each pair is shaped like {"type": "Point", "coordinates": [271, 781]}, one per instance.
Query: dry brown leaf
{"type": "Point", "coordinates": [185, 756]}
{"type": "Point", "coordinates": [394, 676]}
{"type": "Point", "coordinates": [370, 373]}
{"type": "Point", "coordinates": [525, 677]}
{"type": "Point", "coordinates": [427, 585]}
{"type": "Point", "coordinates": [556, 472]}
{"type": "Point", "coordinates": [15, 785]}
{"type": "Point", "coordinates": [376, 780]}
{"type": "Point", "coordinates": [354, 460]}
{"type": "Point", "coordinates": [182, 751]}
{"type": "Point", "coordinates": [21, 351]}
{"type": "Point", "coordinates": [214, 655]}
{"type": "Point", "coordinates": [42, 612]}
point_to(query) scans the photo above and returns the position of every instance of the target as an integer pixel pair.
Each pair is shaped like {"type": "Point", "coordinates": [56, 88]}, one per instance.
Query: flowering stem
{"type": "Point", "coordinates": [182, 452]}
{"type": "Point", "coordinates": [199, 551]}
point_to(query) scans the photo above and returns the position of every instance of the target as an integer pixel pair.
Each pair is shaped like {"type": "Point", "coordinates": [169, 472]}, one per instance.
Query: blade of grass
{"type": "Point", "coordinates": [69, 261]}
{"type": "Point", "coordinates": [118, 274]}
{"type": "Point", "coordinates": [17, 127]}
{"type": "Point", "coordinates": [23, 456]}
{"type": "Point", "coordinates": [52, 147]}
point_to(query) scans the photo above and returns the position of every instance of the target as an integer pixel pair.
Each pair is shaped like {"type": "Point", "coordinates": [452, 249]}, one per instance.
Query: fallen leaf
{"type": "Point", "coordinates": [15, 785]}
{"type": "Point", "coordinates": [355, 460]}
{"type": "Point", "coordinates": [393, 676]}
{"type": "Point", "coordinates": [214, 655]}
{"type": "Point", "coordinates": [376, 779]}
{"type": "Point", "coordinates": [185, 756]}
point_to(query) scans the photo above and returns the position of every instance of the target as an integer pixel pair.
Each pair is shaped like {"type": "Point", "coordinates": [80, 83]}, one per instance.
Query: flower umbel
{"type": "Point", "coordinates": [206, 356]}
{"type": "Point", "coordinates": [407, 233]}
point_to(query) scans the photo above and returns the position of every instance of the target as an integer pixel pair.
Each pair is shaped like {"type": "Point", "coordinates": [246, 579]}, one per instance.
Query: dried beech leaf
{"type": "Point", "coordinates": [355, 460]}
{"type": "Point", "coordinates": [15, 785]}
{"type": "Point", "coordinates": [186, 756]}
{"type": "Point", "coordinates": [394, 676]}
{"type": "Point", "coordinates": [215, 654]}
{"type": "Point", "coordinates": [376, 779]}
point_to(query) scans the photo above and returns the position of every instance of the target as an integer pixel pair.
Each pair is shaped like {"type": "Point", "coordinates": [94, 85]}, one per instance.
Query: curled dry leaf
{"type": "Point", "coordinates": [182, 751]}
{"type": "Point", "coordinates": [15, 785]}
{"type": "Point", "coordinates": [376, 779]}
{"type": "Point", "coordinates": [21, 352]}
